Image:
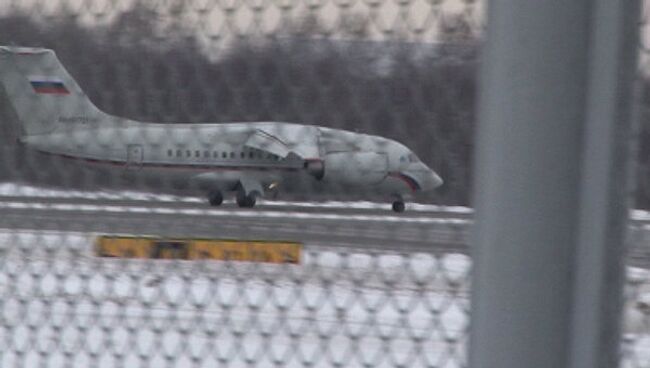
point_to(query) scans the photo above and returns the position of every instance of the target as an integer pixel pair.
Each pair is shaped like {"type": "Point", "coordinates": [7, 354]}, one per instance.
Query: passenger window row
{"type": "Point", "coordinates": [259, 155]}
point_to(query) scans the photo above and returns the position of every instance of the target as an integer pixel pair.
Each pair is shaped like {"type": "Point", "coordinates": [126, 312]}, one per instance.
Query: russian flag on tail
{"type": "Point", "coordinates": [48, 85]}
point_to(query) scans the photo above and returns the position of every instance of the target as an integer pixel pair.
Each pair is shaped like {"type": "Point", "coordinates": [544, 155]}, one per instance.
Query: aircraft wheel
{"type": "Point", "coordinates": [246, 201]}
{"type": "Point", "coordinates": [215, 198]}
{"type": "Point", "coordinates": [399, 206]}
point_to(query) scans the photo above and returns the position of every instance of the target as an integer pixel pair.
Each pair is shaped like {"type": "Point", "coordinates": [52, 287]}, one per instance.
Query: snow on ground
{"type": "Point", "coordinates": [227, 213]}
{"type": "Point", "coordinates": [20, 190]}
{"type": "Point", "coordinates": [23, 190]}
{"type": "Point", "coordinates": [640, 215]}
{"type": "Point", "coordinates": [342, 308]}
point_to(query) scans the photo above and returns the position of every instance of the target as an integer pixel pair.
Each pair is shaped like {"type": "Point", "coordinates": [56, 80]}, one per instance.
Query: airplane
{"type": "Point", "coordinates": [249, 159]}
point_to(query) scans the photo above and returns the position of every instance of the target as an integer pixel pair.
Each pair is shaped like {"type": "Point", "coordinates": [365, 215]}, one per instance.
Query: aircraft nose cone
{"type": "Point", "coordinates": [436, 180]}
{"type": "Point", "coordinates": [427, 179]}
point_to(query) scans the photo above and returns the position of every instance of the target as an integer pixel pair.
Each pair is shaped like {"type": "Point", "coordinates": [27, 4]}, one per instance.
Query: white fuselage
{"type": "Point", "coordinates": [214, 156]}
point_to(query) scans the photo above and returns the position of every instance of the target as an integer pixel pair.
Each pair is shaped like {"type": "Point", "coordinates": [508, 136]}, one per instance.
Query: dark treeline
{"type": "Point", "coordinates": [642, 192]}
{"type": "Point", "coordinates": [421, 95]}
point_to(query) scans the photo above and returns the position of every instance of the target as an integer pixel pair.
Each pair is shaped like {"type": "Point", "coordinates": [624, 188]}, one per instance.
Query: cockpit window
{"type": "Point", "coordinates": [403, 159]}
{"type": "Point", "coordinates": [413, 158]}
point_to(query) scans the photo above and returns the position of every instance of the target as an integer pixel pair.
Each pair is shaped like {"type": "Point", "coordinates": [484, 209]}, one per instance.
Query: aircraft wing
{"type": "Point", "coordinates": [301, 141]}
{"type": "Point", "coordinates": [264, 141]}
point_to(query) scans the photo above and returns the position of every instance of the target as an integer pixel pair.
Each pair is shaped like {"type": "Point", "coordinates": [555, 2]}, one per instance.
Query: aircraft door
{"type": "Point", "coordinates": [134, 155]}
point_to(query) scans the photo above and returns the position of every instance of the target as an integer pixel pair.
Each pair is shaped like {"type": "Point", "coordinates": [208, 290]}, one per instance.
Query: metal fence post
{"type": "Point", "coordinates": [606, 175]}
{"type": "Point", "coordinates": [550, 188]}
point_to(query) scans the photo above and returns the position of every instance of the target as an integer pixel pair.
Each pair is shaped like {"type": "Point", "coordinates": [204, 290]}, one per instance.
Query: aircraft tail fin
{"type": "Point", "coordinates": [42, 93]}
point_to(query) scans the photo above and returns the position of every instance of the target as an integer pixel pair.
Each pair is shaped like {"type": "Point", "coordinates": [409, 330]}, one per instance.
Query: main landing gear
{"type": "Point", "coordinates": [215, 198]}
{"type": "Point", "coordinates": [246, 201]}
{"type": "Point", "coordinates": [399, 206]}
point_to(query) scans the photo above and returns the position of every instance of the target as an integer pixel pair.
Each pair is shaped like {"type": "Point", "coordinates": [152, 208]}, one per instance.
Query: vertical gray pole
{"type": "Point", "coordinates": [606, 176]}
{"type": "Point", "coordinates": [542, 172]}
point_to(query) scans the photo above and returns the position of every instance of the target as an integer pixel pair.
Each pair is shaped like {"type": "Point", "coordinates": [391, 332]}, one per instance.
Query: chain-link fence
{"type": "Point", "coordinates": [368, 288]}
{"type": "Point", "coordinates": [62, 306]}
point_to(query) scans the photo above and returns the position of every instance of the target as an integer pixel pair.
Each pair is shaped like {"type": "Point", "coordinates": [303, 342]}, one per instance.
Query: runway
{"type": "Point", "coordinates": [337, 225]}
{"type": "Point", "coordinates": [352, 228]}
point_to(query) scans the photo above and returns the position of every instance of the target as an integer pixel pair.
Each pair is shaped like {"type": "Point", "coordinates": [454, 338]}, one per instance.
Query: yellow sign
{"type": "Point", "coordinates": [216, 249]}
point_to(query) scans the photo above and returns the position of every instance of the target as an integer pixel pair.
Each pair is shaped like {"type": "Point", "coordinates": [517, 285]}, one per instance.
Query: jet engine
{"type": "Point", "coordinates": [353, 168]}
{"type": "Point", "coordinates": [315, 168]}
